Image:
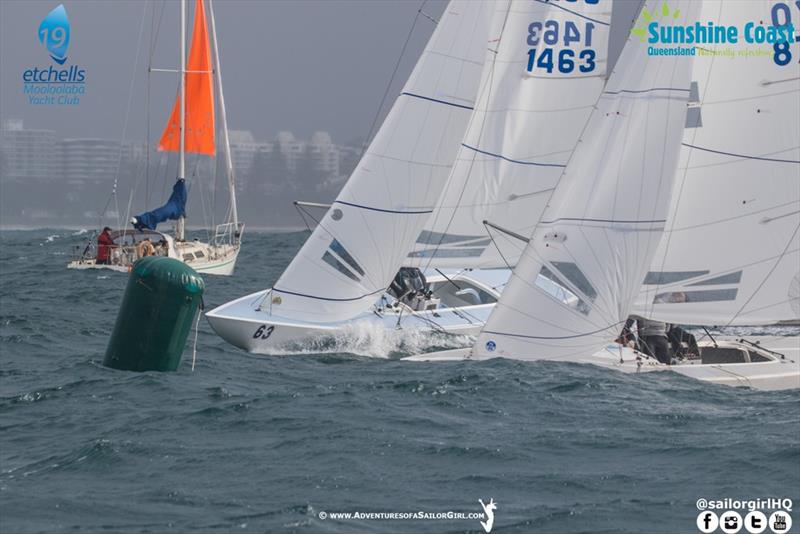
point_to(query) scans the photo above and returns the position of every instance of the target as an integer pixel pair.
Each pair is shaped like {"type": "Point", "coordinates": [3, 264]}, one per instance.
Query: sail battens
{"type": "Point", "coordinates": [390, 195]}
{"type": "Point", "coordinates": [689, 297]}
{"type": "Point", "coordinates": [749, 215]}
{"type": "Point", "coordinates": [550, 4]}
{"type": "Point", "coordinates": [526, 124]}
{"type": "Point", "coordinates": [428, 238]}
{"type": "Point", "coordinates": [743, 156]}
{"type": "Point", "coordinates": [456, 58]}
{"type": "Point", "coordinates": [660, 278]}
{"type": "Point", "coordinates": [641, 91]}
{"type": "Point", "coordinates": [415, 162]}
{"type": "Point", "coordinates": [510, 160]}
{"type": "Point", "coordinates": [437, 100]}
{"type": "Point", "coordinates": [608, 221]}
{"type": "Point", "coordinates": [448, 253]}
{"type": "Point", "coordinates": [577, 279]}
{"type": "Point", "coordinates": [384, 210]}
{"type": "Point", "coordinates": [736, 190]}
{"type": "Point", "coordinates": [612, 327]}
{"type": "Point", "coordinates": [334, 262]}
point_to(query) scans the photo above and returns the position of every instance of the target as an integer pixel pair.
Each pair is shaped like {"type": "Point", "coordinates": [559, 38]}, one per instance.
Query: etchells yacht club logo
{"type": "Point", "coordinates": [54, 34]}
{"type": "Point", "coordinates": [54, 84]}
{"type": "Point", "coordinates": [772, 36]}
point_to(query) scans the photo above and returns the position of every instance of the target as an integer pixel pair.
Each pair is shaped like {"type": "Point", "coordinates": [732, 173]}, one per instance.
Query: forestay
{"type": "Point", "coordinates": [533, 105]}
{"type": "Point", "coordinates": [731, 250]}
{"type": "Point", "coordinates": [579, 275]}
{"type": "Point", "coordinates": [360, 243]}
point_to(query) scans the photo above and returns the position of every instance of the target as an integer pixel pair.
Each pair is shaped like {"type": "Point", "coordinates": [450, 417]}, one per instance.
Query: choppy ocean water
{"type": "Point", "coordinates": [266, 443]}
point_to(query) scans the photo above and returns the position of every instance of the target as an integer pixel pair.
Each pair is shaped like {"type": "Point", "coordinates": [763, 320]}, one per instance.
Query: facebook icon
{"type": "Point", "coordinates": [707, 522]}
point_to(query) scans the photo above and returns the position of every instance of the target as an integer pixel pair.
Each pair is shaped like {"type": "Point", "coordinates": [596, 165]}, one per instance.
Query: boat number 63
{"type": "Point", "coordinates": [264, 332]}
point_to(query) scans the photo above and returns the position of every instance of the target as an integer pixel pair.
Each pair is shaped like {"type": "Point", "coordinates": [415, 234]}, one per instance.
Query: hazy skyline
{"type": "Point", "coordinates": [300, 65]}
{"type": "Point", "coordinates": [287, 65]}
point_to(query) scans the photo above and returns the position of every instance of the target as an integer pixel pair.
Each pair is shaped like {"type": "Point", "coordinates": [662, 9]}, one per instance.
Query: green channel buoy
{"type": "Point", "coordinates": [156, 315]}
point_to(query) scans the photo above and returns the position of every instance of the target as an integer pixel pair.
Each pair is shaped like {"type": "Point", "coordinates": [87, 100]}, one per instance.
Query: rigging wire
{"type": "Point", "coordinates": [154, 32]}
{"type": "Point", "coordinates": [677, 191]}
{"type": "Point", "coordinates": [373, 127]}
{"type": "Point", "coordinates": [374, 123]}
{"type": "Point", "coordinates": [394, 73]}
{"type": "Point", "coordinates": [490, 83]}
{"type": "Point", "coordinates": [764, 281]}
{"type": "Point", "coordinates": [125, 122]}
{"type": "Point", "coordinates": [549, 198]}
{"type": "Point", "coordinates": [301, 210]}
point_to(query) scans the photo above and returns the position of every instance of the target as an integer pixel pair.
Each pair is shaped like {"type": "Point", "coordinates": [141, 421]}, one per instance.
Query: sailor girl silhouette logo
{"type": "Point", "coordinates": [488, 509]}
{"type": "Point", "coordinates": [54, 34]}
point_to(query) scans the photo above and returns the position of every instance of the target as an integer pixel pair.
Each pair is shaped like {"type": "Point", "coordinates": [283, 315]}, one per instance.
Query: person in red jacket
{"type": "Point", "coordinates": [104, 246]}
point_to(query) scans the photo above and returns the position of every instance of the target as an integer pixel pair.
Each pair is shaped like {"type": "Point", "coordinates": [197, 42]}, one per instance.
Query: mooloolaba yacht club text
{"type": "Point", "coordinates": [53, 86]}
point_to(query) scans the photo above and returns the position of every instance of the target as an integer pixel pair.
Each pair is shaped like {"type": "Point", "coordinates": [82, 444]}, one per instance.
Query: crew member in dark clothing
{"type": "Point", "coordinates": [104, 246]}
{"type": "Point", "coordinates": [653, 335]}
{"type": "Point", "coordinates": [677, 337]}
{"type": "Point", "coordinates": [627, 337]}
{"type": "Point", "coordinates": [409, 281]}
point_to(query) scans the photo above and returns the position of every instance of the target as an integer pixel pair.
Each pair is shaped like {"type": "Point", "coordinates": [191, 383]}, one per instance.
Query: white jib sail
{"type": "Point", "coordinates": [549, 72]}
{"type": "Point", "coordinates": [575, 283]}
{"type": "Point", "coordinates": [360, 243]}
{"type": "Point", "coordinates": [731, 250]}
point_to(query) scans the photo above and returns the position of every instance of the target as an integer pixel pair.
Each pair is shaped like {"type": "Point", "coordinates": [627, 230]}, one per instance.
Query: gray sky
{"type": "Point", "coordinates": [298, 65]}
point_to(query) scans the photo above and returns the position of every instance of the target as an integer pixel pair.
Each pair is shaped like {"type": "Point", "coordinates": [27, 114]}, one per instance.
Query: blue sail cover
{"type": "Point", "coordinates": [173, 209]}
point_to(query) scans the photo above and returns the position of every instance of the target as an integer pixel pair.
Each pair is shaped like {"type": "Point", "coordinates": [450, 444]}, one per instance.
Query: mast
{"type": "Point", "coordinates": [180, 226]}
{"type": "Point", "coordinates": [234, 215]}
{"type": "Point", "coordinates": [353, 256]}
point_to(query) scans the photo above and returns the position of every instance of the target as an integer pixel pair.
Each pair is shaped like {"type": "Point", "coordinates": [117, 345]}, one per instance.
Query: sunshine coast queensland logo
{"type": "Point", "coordinates": [54, 84]}
{"type": "Point", "coordinates": [661, 28]}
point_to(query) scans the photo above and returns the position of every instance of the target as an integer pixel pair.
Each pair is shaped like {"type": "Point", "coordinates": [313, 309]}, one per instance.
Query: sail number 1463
{"type": "Point", "coordinates": [551, 32]}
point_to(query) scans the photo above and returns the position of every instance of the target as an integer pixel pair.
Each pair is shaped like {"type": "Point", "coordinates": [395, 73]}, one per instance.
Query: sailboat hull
{"type": "Point", "coordinates": [241, 324]}
{"type": "Point", "coordinates": [202, 257]}
{"type": "Point", "coordinates": [249, 324]}
{"type": "Point", "coordinates": [222, 265]}
{"type": "Point", "coordinates": [775, 372]}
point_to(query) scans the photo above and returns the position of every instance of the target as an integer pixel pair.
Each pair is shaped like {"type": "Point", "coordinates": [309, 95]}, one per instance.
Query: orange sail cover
{"type": "Point", "coordinates": [199, 96]}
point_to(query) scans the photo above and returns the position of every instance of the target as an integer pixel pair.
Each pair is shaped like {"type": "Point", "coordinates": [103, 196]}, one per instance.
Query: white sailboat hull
{"type": "Point", "coordinates": [202, 257]}
{"type": "Point", "coordinates": [223, 265]}
{"type": "Point", "coordinates": [255, 331]}
{"type": "Point", "coordinates": [249, 324]}
{"type": "Point", "coordinates": [776, 373]}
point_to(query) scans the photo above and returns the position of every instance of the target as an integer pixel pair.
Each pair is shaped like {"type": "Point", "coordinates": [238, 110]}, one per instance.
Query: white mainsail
{"type": "Point", "coordinates": [577, 279]}
{"type": "Point", "coordinates": [731, 250]}
{"type": "Point", "coordinates": [549, 72]}
{"type": "Point", "coordinates": [360, 243]}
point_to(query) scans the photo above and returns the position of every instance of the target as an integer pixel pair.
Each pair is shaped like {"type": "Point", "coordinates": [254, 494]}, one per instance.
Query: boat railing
{"type": "Point", "coordinates": [87, 251]}
{"type": "Point", "coordinates": [119, 254]}
{"type": "Point", "coordinates": [228, 234]}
